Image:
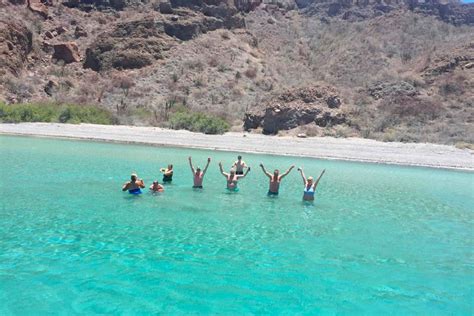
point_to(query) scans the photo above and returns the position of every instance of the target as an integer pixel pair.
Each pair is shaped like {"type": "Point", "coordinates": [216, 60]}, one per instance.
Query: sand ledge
{"type": "Point", "coordinates": [351, 149]}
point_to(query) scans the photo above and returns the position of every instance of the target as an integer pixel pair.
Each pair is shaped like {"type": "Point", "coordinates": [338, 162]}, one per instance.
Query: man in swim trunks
{"type": "Point", "coordinates": [309, 186]}
{"type": "Point", "coordinates": [134, 186]}
{"type": "Point", "coordinates": [239, 166]}
{"type": "Point", "coordinates": [167, 174]}
{"type": "Point", "coordinates": [275, 179]}
{"type": "Point", "coordinates": [156, 187]}
{"type": "Point", "coordinates": [232, 177]}
{"type": "Point", "coordinates": [198, 175]}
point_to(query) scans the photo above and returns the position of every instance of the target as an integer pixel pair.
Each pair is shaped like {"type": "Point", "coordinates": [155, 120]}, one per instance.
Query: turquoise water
{"type": "Point", "coordinates": [379, 239]}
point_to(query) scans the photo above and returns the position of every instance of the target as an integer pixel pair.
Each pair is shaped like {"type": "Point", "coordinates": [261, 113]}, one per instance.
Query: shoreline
{"type": "Point", "coordinates": [347, 149]}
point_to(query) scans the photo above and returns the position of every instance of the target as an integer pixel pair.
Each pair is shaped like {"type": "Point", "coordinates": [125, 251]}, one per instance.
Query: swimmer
{"type": "Point", "coordinates": [275, 179]}
{"type": "Point", "coordinates": [309, 186]}
{"type": "Point", "coordinates": [232, 177]}
{"type": "Point", "coordinates": [156, 187]}
{"type": "Point", "coordinates": [167, 174]}
{"type": "Point", "coordinates": [239, 166]}
{"type": "Point", "coordinates": [198, 175]}
{"type": "Point", "coordinates": [134, 186]}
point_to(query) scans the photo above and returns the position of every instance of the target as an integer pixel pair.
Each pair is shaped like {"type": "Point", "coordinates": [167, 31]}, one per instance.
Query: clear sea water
{"type": "Point", "coordinates": [378, 239]}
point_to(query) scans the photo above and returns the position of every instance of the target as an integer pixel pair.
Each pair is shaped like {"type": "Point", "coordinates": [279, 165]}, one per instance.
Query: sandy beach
{"type": "Point", "coordinates": [351, 149]}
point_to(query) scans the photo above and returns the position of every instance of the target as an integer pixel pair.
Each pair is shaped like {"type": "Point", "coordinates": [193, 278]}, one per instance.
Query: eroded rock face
{"type": "Point", "coordinates": [15, 45]}
{"type": "Point", "coordinates": [130, 45]}
{"type": "Point", "coordinates": [318, 104]}
{"type": "Point", "coordinates": [461, 57]}
{"type": "Point", "coordinates": [67, 52]}
{"type": "Point", "coordinates": [356, 10]}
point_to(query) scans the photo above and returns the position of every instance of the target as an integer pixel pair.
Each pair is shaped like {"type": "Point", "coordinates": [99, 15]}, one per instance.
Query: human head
{"type": "Point", "coordinates": [198, 170]}
{"type": "Point", "coordinates": [276, 172]}
{"type": "Point", "coordinates": [155, 183]}
{"type": "Point", "coordinates": [310, 179]}
{"type": "Point", "coordinates": [170, 167]}
{"type": "Point", "coordinates": [133, 177]}
{"type": "Point", "coordinates": [239, 157]}
{"type": "Point", "coordinates": [232, 171]}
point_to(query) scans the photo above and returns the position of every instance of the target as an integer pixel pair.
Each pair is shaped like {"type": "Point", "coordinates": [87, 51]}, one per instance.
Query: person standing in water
{"type": "Point", "coordinates": [275, 179]}
{"type": "Point", "coordinates": [134, 186]}
{"type": "Point", "coordinates": [239, 166]}
{"type": "Point", "coordinates": [309, 186]}
{"type": "Point", "coordinates": [232, 178]}
{"type": "Point", "coordinates": [167, 174]}
{"type": "Point", "coordinates": [156, 187]}
{"type": "Point", "coordinates": [198, 175]}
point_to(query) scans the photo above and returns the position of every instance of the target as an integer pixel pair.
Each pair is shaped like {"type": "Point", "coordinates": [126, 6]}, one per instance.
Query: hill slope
{"type": "Point", "coordinates": [389, 70]}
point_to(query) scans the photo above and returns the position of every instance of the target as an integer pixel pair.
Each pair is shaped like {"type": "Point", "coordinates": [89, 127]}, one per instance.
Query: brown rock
{"type": "Point", "coordinates": [80, 32]}
{"type": "Point", "coordinates": [165, 8]}
{"type": "Point", "coordinates": [68, 52]}
{"type": "Point", "coordinates": [38, 7]}
{"type": "Point", "coordinates": [317, 104]}
{"type": "Point", "coordinates": [50, 87]}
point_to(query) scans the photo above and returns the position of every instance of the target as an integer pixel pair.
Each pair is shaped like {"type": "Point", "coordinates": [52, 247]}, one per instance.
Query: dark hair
{"type": "Point", "coordinates": [239, 157]}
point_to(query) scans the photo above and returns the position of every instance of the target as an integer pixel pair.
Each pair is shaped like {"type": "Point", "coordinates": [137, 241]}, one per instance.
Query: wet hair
{"type": "Point", "coordinates": [239, 157]}
{"type": "Point", "coordinates": [170, 166]}
{"type": "Point", "coordinates": [155, 182]}
{"type": "Point", "coordinates": [133, 177]}
{"type": "Point", "coordinates": [232, 170]}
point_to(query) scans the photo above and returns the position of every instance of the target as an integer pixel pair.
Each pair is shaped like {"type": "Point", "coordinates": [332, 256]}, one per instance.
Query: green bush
{"type": "Point", "coordinates": [48, 112]}
{"type": "Point", "coordinates": [199, 122]}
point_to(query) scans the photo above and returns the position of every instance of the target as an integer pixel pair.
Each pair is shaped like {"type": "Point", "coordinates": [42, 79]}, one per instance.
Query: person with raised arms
{"type": "Point", "coordinates": [275, 179]}
{"type": "Point", "coordinates": [134, 186]}
{"type": "Point", "coordinates": [239, 166]}
{"type": "Point", "coordinates": [309, 185]}
{"type": "Point", "coordinates": [232, 178]}
{"type": "Point", "coordinates": [198, 175]}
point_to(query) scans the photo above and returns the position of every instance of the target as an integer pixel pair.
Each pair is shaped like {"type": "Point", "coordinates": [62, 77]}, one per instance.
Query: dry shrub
{"type": "Point", "coordinates": [123, 82]}
{"type": "Point", "coordinates": [251, 72]}
{"type": "Point", "coordinates": [411, 107]}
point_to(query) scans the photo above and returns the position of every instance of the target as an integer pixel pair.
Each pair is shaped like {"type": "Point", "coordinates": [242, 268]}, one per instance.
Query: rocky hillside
{"type": "Point", "coordinates": [395, 70]}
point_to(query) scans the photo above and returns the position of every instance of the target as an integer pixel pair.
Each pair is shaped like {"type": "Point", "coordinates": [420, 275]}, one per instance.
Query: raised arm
{"type": "Point", "coordinates": [265, 171]}
{"type": "Point", "coordinates": [302, 175]}
{"type": "Point", "coordinates": [319, 178]}
{"type": "Point", "coordinates": [244, 175]}
{"type": "Point", "coordinates": [125, 186]}
{"type": "Point", "coordinates": [141, 184]}
{"type": "Point", "coordinates": [287, 172]}
{"type": "Point", "coordinates": [222, 170]}
{"type": "Point", "coordinates": [191, 165]}
{"type": "Point", "coordinates": [207, 165]}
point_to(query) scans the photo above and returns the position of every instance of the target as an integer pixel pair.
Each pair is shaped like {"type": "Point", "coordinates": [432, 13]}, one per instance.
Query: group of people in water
{"type": "Point", "coordinates": [238, 171]}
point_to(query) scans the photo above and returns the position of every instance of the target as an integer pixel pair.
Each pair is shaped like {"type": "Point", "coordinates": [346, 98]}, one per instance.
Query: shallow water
{"type": "Point", "coordinates": [378, 239]}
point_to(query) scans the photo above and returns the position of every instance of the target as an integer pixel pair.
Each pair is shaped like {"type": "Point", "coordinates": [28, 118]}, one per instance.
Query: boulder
{"type": "Point", "coordinates": [293, 108]}
{"type": "Point", "coordinates": [51, 87]}
{"type": "Point", "coordinates": [80, 32]}
{"type": "Point", "coordinates": [67, 52]}
{"type": "Point", "coordinates": [247, 5]}
{"type": "Point", "coordinates": [38, 7]}
{"type": "Point", "coordinates": [165, 8]}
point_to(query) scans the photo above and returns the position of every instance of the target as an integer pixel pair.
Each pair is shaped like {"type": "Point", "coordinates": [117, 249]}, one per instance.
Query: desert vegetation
{"type": "Point", "coordinates": [401, 74]}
